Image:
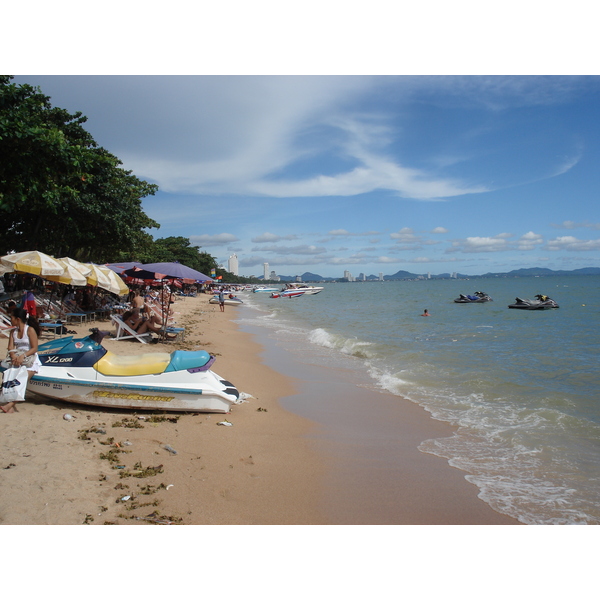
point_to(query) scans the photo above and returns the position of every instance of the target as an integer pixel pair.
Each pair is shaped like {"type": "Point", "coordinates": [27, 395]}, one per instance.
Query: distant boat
{"type": "Point", "coordinates": [540, 303]}
{"type": "Point", "coordinates": [263, 288]}
{"type": "Point", "coordinates": [477, 297]}
{"type": "Point", "coordinates": [309, 290]}
{"type": "Point", "coordinates": [288, 294]}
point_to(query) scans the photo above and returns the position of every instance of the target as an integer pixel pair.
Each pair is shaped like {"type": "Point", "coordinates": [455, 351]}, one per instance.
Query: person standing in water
{"type": "Point", "coordinates": [425, 313]}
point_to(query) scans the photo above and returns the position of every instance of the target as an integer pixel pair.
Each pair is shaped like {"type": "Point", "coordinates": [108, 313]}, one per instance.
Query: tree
{"type": "Point", "coordinates": [59, 191]}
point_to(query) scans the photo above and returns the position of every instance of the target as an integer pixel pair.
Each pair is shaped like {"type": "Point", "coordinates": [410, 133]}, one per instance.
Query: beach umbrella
{"type": "Point", "coordinates": [33, 262]}
{"type": "Point", "coordinates": [172, 270]}
{"type": "Point", "coordinates": [97, 277]}
{"type": "Point", "coordinates": [120, 267]}
{"type": "Point", "coordinates": [85, 270]}
{"type": "Point", "coordinates": [117, 285]}
{"type": "Point", "coordinates": [71, 275]}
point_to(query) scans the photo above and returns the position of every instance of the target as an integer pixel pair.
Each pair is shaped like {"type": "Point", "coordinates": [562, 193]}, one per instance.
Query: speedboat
{"type": "Point", "coordinates": [263, 288]}
{"type": "Point", "coordinates": [309, 290]}
{"type": "Point", "coordinates": [81, 370]}
{"type": "Point", "coordinates": [231, 300]}
{"type": "Point", "coordinates": [541, 302]}
{"type": "Point", "coordinates": [287, 294]}
{"type": "Point", "coordinates": [469, 299]}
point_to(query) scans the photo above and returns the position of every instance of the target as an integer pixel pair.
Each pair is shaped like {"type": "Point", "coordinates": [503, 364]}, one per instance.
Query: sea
{"type": "Point", "coordinates": [521, 387]}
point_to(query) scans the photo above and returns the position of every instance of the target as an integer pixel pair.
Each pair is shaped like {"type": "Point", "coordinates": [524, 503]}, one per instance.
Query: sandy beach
{"type": "Point", "coordinates": [287, 458]}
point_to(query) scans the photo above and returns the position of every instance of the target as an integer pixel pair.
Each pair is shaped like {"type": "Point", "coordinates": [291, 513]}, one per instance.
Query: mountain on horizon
{"type": "Point", "coordinates": [531, 272]}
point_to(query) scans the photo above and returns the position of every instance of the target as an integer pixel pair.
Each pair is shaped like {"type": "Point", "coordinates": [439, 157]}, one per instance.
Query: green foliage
{"type": "Point", "coordinates": [59, 191]}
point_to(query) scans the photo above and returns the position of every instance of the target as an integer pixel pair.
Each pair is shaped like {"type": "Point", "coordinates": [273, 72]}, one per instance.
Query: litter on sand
{"type": "Point", "coordinates": [226, 423]}
{"type": "Point", "coordinates": [170, 449]}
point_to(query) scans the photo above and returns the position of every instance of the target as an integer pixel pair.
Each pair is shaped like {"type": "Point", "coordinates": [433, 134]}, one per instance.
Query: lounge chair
{"type": "Point", "coordinates": [124, 332]}
{"type": "Point", "coordinates": [5, 324]}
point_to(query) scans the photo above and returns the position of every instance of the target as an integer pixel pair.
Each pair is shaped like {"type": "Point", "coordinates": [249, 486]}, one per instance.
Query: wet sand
{"type": "Point", "coordinates": [288, 458]}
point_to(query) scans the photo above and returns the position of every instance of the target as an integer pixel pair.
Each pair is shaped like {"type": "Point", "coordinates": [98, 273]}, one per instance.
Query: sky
{"type": "Point", "coordinates": [396, 138]}
{"type": "Point", "coordinates": [370, 174]}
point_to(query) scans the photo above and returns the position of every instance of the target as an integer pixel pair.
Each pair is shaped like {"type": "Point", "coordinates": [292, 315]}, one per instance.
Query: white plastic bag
{"type": "Point", "coordinates": [14, 384]}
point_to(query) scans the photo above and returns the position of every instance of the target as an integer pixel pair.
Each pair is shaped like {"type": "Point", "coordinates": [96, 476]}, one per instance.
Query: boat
{"type": "Point", "coordinates": [309, 290]}
{"type": "Point", "coordinates": [541, 302]}
{"type": "Point", "coordinates": [82, 371]}
{"type": "Point", "coordinates": [263, 288]}
{"type": "Point", "coordinates": [287, 294]}
{"type": "Point", "coordinates": [476, 297]}
{"type": "Point", "coordinates": [231, 300]}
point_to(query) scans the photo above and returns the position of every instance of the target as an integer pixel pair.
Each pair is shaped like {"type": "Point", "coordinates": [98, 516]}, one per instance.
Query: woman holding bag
{"type": "Point", "coordinates": [22, 350]}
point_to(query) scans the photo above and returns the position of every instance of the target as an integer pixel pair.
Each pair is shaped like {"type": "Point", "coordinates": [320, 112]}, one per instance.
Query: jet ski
{"type": "Point", "coordinates": [540, 303]}
{"type": "Point", "coordinates": [229, 300]}
{"type": "Point", "coordinates": [81, 370]}
{"type": "Point", "coordinates": [477, 297]}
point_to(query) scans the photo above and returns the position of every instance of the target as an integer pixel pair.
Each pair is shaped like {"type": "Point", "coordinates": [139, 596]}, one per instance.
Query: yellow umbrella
{"type": "Point", "coordinates": [34, 262]}
{"type": "Point", "coordinates": [96, 277]}
{"type": "Point", "coordinates": [71, 275]}
{"type": "Point", "coordinates": [85, 270]}
{"type": "Point", "coordinates": [118, 286]}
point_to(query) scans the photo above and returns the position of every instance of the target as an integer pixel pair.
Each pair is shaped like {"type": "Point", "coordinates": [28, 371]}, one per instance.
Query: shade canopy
{"type": "Point", "coordinates": [70, 276]}
{"type": "Point", "coordinates": [120, 267]}
{"type": "Point", "coordinates": [172, 270]}
{"type": "Point", "coordinates": [33, 262]}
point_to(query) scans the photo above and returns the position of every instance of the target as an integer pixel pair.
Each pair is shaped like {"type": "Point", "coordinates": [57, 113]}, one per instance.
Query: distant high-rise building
{"type": "Point", "coordinates": [233, 264]}
{"type": "Point", "coordinates": [266, 270]}
{"type": "Point", "coordinates": [380, 276]}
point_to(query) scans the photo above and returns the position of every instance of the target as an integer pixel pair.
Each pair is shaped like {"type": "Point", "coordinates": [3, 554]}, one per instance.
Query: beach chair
{"type": "Point", "coordinates": [5, 324]}
{"type": "Point", "coordinates": [124, 332]}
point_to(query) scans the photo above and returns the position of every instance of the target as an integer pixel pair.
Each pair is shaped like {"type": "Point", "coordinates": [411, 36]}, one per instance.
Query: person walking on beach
{"type": "Point", "coordinates": [221, 300]}
{"type": "Point", "coordinates": [22, 348]}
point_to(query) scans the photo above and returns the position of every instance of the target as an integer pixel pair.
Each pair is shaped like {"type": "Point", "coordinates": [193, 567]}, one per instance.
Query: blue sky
{"type": "Point", "coordinates": [369, 174]}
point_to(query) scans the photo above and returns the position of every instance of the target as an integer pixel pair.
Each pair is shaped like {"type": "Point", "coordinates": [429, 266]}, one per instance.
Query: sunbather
{"type": "Point", "coordinates": [140, 324]}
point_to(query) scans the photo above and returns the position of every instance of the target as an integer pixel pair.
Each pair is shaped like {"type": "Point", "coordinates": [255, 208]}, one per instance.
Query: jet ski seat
{"type": "Point", "coordinates": [127, 366]}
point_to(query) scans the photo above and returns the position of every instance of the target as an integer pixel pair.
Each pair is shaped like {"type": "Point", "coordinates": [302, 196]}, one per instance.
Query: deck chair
{"type": "Point", "coordinates": [124, 332]}
{"type": "Point", "coordinates": [5, 325]}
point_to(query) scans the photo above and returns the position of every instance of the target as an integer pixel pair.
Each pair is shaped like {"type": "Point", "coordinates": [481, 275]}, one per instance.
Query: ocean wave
{"type": "Point", "coordinates": [348, 346]}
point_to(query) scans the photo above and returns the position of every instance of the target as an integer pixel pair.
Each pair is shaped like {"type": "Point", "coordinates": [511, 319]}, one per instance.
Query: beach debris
{"type": "Point", "coordinates": [244, 397]}
{"type": "Point", "coordinates": [131, 423]}
{"type": "Point", "coordinates": [225, 423]}
{"type": "Point", "coordinates": [68, 417]}
{"type": "Point", "coordinates": [170, 449]}
{"type": "Point", "coordinates": [88, 519]}
{"type": "Point", "coordinates": [125, 498]}
{"type": "Point", "coordinates": [162, 418]}
{"type": "Point", "coordinates": [261, 409]}
{"type": "Point", "coordinates": [139, 471]}
{"type": "Point", "coordinates": [127, 443]}
{"type": "Point", "coordinates": [10, 466]}
{"type": "Point", "coordinates": [169, 486]}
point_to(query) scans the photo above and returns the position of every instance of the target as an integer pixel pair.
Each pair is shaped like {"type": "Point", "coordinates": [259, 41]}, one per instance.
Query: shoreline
{"type": "Point", "coordinates": [294, 461]}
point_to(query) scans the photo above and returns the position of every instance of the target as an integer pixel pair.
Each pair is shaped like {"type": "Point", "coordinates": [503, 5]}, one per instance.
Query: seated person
{"type": "Point", "coordinates": [140, 324]}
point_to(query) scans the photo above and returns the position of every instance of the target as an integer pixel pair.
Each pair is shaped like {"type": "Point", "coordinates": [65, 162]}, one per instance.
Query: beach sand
{"type": "Point", "coordinates": [288, 458]}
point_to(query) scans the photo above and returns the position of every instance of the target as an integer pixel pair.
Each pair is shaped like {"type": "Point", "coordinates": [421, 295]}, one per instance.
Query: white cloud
{"type": "Point", "coordinates": [219, 239]}
{"type": "Point", "coordinates": [405, 235]}
{"type": "Point", "coordinates": [575, 225]}
{"type": "Point", "coordinates": [439, 230]}
{"type": "Point", "coordinates": [304, 249]}
{"type": "Point", "coordinates": [530, 241]}
{"type": "Point", "coordinates": [271, 237]}
{"type": "Point", "coordinates": [497, 243]}
{"type": "Point", "coordinates": [571, 243]}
